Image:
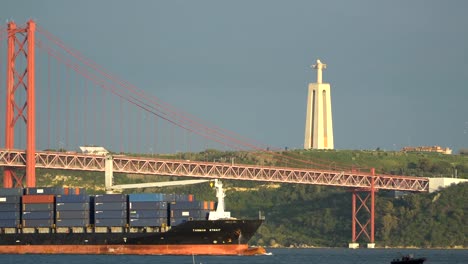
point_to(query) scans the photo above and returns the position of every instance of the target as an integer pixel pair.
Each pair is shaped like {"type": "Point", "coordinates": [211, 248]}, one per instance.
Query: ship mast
{"type": "Point", "coordinates": [219, 213]}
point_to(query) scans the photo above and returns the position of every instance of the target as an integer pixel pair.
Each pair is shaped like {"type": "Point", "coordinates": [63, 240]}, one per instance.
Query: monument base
{"type": "Point", "coordinates": [353, 245]}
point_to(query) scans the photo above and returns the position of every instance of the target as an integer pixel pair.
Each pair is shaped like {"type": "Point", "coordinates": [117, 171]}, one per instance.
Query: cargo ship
{"type": "Point", "coordinates": [68, 221]}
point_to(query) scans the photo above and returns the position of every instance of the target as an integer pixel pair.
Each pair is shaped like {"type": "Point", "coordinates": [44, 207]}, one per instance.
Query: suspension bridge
{"type": "Point", "coordinates": [57, 99]}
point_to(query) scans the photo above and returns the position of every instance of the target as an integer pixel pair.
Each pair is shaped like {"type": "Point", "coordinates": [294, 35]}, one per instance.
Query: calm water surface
{"type": "Point", "coordinates": [286, 256]}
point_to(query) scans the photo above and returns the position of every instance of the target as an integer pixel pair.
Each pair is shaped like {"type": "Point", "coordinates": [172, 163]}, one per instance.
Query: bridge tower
{"type": "Point", "coordinates": [20, 75]}
{"type": "Point", "coordinates": [319, 126]}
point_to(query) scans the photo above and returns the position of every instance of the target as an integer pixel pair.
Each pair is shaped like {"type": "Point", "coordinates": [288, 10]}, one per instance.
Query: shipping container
{"type": "Point", "coordinates": [110, 222]}
{"type": "Point", "coordinates": [146, 197]}
{"type": "Point", "coordinates": [38, 223]}
{"type": "Point", "coordinates": [188, 205]}
{"type": "Point", "coordinates": [38, 215]}
{"type": "Point", "coordinates": [193, 213]}
{"type": "Point", "coordinates": [114, 198]}
{"type": "Point", "coordinates": [37, 198]}
{"type": "Point", "coordinates": [142, 222]}
{"type": "Point", "coordinates": [10, 207]}
{"type": "Point", "coordinates": [170, 197]}
{"type": "Point", "coordinates": [72, 206]}
{"type": "Point", "coordinates": [45, 190]}
{"type": "Point", "coordinates": [147, 205]}
{"type": "Point", "coordinates": [175, 197]}
{"type": "Point", "coordinates": [109, 206]}
{"type": "Point", "coordinates": [177, 221]}
{"type": "Point", "coordinates": [110, 214]}
{"type": "Point", "coordinates": [72, 214]}
{"type": "Point", "coordinates": [72, 222]}
{"type": "Point", "coordinates": [147, 213]}
{"type": "Point", "coordinates": [9, 215]}
{"type": "Point", "coordinates": [38, 207]}
{"type": "Point", "coordinates": [9, 222]}
{"type": "Point", "coordinates": [11, 191]}
{"type": "Point", "coordinates": [10, 199]}
{"type": "Point", "coordinates": [181, 197]}
{"type": "Point", "coordinates": [74, 191]}
{"type": "Point", "coordinates": [72, 198]}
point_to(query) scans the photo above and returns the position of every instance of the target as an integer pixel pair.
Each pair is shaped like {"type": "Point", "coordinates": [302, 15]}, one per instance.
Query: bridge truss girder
{"type": "Point", "coordinates": [212, 170]}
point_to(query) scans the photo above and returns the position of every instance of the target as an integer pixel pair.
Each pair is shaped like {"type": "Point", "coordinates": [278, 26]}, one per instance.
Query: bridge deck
{"type": "Point", "coordinates": [198, 169]}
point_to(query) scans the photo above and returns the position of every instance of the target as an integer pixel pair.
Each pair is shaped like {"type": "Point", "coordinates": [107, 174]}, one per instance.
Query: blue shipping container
{"type": "Point", "coordinates": [10, 207]}
{"type": "Point", "coordinates": [11, 191]}
{"type": "Point", "coordinates": [110, 214]}
{"type": "Point", "coordinates": [10, 199]}
{"type": "Point", "coordinates": [147, 205]}
{"type": "Point", "coordinates": [181, 197]}
{"type": "Point", "coordinates": [170, 197]}
{"type": "Point", "coordinates": [72, 199]}
{"type": "Point", "coordinates": [110, 222]}
{"type": "Point", "coordinates": [187, 205]}
{"type": "Point", "coordinates": [38, 223]}
{"type": "Point", "coordinates": [9, 215]}
{"type": "Point", "coordinates": [72, 222]}
{"type": "Point", "coordinates": [195, 214]}
{"type": "Point", "coordinates": [10, 223]}
{"type": "Point", "coordinates": [72, 214]}
{"type": "Point", "coordinates": [76, 191]}
{"type": "Point", "coordinates": [142, 222]}
{"type": "Point", "coordinates": [110, 206]}
{"type": "Point", "coordinates": [146, 197]}
{"type": "Point", "coordinates": [177, 221]}
{"type": "Point", "coordinates": [71, 206]}
{"type": "Point", "coordinates": [100, 198]}
{"type": "Point", "coordinates": [147, 213]}
{"type": "Point", "coordinates": [45, 190]}
{"type": "Point", "coordinates": [38, 207]}
{"type": "Point", "coordinates": [38, 215]}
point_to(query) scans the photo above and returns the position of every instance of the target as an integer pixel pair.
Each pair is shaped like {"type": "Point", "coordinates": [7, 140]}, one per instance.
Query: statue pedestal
{"type": "Point", "coordinates": [353, 245]}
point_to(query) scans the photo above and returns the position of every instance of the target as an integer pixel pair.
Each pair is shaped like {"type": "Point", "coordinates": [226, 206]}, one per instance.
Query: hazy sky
{"type": "Point", "coordinates": [398, 69]}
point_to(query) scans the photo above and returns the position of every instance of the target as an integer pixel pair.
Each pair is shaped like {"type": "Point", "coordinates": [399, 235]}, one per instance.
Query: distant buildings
{"type": "Point", "coordinates": [437, 149]}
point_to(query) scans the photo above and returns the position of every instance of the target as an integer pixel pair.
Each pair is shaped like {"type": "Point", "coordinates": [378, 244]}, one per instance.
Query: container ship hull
{"type": "Point", "coordinates": [198, 237]}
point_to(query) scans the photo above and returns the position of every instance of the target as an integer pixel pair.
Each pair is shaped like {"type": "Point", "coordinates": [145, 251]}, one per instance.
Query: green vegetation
{"type": "Point", "coordinates": [307, 215]}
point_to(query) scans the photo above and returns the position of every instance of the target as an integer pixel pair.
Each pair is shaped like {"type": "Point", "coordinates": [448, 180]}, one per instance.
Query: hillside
{"type": "Point", "coordinates": [299, 215]}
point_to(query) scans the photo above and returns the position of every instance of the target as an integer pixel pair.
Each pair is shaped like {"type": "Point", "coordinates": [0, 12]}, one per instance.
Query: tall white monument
{"type": "Point", "coordinates": [319, 126]}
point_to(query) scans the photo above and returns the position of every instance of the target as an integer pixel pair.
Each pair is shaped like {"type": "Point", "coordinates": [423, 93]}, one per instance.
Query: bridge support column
{"type": "Point", "coordinates": [363, 214]}
{"type": "Point", "coordinates": [109, 173]}
{"type": "Point", "coordinates": [20, 74]}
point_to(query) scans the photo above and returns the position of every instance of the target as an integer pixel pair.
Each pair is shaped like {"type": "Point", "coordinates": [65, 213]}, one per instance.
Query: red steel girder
{"type": "Point", "coordinates": [183, 168]}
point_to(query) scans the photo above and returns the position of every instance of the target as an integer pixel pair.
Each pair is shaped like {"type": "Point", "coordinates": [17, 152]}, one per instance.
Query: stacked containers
{"type": "Point", "coordinates": [10, 207]}
{"type": "Point", "coordinates": [183, 211]}
{"type": "Point", "coordinates": [72, 210]}
{"type": "Point", "coordinates": [38, 210]}
{"type": "Point", "coordinates": [147, 209]}
{"type": "Point", "coordinates": [110, 210]}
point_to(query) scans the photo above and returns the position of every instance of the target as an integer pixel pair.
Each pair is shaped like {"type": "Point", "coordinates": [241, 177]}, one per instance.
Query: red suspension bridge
{"type": "Point", "coordinates": [65, 100]}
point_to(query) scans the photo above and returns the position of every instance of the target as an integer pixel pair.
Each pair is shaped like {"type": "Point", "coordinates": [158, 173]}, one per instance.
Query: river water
{"type": "Point", "coordinates": [286, 256]}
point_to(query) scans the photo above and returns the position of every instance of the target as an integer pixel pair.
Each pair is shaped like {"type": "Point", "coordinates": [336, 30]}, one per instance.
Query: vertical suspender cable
{"type": "Point", "coordinates": [94, 113]}
{"type": "Point", "coordinates": [121, 139]}
{"type": "Point", "coordinates": [112, 123]}
{"type": "Point", "coordinates": [67, 106]}
{"type": "Point", "coordinates": [57, 120]}
{"type": "Point", "coordinates": [48, 101]}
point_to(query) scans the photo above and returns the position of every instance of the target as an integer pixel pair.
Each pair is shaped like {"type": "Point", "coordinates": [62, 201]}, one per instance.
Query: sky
{"type": "Point", "coordinates": [398, 70]}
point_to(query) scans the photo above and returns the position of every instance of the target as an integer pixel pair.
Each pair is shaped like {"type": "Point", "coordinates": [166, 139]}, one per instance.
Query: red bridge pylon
{"type": "Point", "coordinates": [363, 213]}
{"type": "Point", "coordinates": [20, 52]}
